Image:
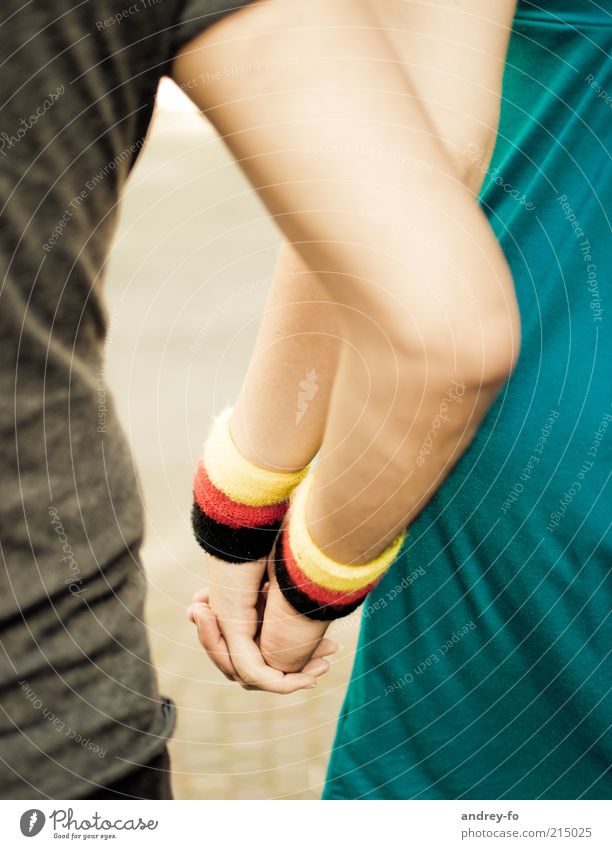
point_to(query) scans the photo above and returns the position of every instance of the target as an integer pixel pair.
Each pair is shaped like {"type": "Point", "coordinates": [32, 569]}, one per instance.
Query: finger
{"type": "Point", "coordinates": [317, 666]}
{"type": "Point", "coordinates": [255, 673]}
{"type": "Point", "coordinates": [201, 596]}
{"type": "Point", "coordinates": [211, 639]}
{"type": "Point", "coordinates": [325, 648]}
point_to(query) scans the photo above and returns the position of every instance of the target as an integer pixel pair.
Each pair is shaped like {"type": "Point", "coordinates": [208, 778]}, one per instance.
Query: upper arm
{"type": "Point", "coordinates": [334, 135]}
{"type": "Point", "coordinates": [454, 53]}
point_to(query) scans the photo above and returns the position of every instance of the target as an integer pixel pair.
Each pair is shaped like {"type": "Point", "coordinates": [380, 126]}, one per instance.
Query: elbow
{"type": "Point", "coordinates": [477, 343]}
{"type": "Point", "coordinates": [487, 351]}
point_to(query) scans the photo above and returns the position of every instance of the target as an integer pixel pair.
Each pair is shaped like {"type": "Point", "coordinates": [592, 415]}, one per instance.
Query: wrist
{"type": "Point", "coordinates": [316, 585]}
{"type": "Point", "coordinates": [238, 507]}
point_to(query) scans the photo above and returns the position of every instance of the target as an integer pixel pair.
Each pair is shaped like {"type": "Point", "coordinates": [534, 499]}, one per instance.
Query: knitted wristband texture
{"type": "Point", "coordinates": [238, 507]}
{"type": "Point", "coordinates": [313, 583]}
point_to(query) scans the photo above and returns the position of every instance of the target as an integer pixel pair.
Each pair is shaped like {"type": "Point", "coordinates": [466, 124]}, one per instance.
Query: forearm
{"type": "Point", "coordinates": [394, 432]}
{"type": "Point", "coordinates": [400, 415]}
{"type": "Point", "coordinates": [394, 428]}
{"type": "Point", "coordinates": [279, 417]}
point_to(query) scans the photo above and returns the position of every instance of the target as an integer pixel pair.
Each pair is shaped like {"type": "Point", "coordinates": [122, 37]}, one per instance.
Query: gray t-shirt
{"type": "Point", "coordinates": [79, 705]}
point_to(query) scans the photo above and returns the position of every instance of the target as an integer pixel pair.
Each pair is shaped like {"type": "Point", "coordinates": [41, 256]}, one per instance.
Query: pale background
{"type": "Point", "coordinates": [185, 285]}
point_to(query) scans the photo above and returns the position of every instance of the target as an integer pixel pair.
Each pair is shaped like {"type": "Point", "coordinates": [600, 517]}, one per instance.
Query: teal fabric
{"type": "Point", "coordinates": [483, 667]}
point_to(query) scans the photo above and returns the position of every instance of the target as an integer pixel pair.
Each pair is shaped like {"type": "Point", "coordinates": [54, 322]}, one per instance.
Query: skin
{"type": "Point", "coordinates": [391, 273]}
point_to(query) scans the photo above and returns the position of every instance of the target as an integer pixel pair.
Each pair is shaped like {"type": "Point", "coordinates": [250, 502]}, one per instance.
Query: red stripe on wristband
{"type": "Point", "coordinates": [222, 509]}
{"type": "Point", "coordinates": [316, 592]}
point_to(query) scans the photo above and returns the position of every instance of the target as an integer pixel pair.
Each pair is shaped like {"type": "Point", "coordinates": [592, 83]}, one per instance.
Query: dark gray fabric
{"type": "Point", "coordinates": [151, 781]}
{"type": "Point", "coordinates": [79, 705]}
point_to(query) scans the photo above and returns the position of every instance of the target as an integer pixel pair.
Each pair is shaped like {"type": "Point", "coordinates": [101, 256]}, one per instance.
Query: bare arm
{"type": "Point", "coordinates": [422, 291]}
{"type": "Point", "coordinates": [280, 415]}
{"type": "Point", "coordinates": [454, 52]}
{"type": "Point", "coordinates": [347, 158]}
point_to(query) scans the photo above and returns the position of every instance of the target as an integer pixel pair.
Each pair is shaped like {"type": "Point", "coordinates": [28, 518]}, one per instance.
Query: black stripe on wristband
{"type": "Point", "coordinates": [303, 603]}
{"type": "Point", "coordinates": [234, 545]}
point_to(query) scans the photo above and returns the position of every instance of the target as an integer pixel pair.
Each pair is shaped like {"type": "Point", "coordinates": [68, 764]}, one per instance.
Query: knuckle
{"type": "Point", "coordinates": [278, 660]}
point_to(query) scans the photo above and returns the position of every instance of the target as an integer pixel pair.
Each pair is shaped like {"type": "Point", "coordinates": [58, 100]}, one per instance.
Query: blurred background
{"type": "Point", "coordinates": [186, 285]}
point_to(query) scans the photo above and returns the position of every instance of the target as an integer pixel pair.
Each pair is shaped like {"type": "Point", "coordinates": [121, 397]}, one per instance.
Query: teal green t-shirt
{"type": "Point", "coordinates": [483, 669]}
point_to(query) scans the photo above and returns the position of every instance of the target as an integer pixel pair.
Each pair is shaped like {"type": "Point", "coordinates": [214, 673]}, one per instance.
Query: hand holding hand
{"type": "Point", "coordinates": [228, 615]}
{"type": "Point", "coordinates": [289, 640]}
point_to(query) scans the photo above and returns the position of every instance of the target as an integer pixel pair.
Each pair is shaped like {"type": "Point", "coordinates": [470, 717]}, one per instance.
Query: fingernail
{"type": "Point", "coordinates": [310, 686]}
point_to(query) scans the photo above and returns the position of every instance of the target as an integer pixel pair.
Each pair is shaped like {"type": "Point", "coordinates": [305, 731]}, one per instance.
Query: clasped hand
{"type": "Point", "coordinates": [251, 632]}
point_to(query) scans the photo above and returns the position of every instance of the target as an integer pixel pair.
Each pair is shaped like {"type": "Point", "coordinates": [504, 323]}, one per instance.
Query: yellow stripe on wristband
{"type": "Point", "coordinates": [237, 477]}
{"type": "Point", "coordinates": [320, 568]}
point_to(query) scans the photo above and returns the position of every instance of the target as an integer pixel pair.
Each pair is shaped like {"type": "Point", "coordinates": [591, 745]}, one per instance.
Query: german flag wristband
{"type": "Point", "coordinates": [238, 507]}
{"type": "Point", "coordinates": [314, 584]}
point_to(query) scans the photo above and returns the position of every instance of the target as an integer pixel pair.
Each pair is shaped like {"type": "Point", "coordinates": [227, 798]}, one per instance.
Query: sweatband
{"type": "Point", "coordinates": [313, 583]}
{"type": "Point", "coordinates": [238, 507]}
